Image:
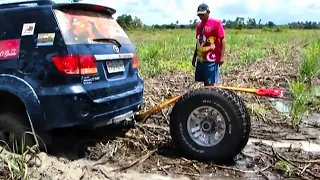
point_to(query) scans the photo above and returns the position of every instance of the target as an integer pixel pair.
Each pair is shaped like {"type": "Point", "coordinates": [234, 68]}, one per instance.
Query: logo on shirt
{"type": "Point", "coordinates": [208, 28]}
{"type": "Point", "coordinates": [211, 57]}
{"type": "Point", "coordinates": [207, 44]}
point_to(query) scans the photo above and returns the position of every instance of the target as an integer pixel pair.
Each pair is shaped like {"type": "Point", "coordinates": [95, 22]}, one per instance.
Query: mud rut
{"type": "Point", "coordinates": [111, 153]}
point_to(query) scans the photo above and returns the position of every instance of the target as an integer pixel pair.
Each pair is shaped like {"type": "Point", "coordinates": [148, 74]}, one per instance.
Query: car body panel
{"type": "Point", "coordinates": [63, 101]}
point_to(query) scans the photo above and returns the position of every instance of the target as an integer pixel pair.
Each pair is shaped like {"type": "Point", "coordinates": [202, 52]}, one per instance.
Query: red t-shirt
{"type": "Point", "coordinates": [213, 33]}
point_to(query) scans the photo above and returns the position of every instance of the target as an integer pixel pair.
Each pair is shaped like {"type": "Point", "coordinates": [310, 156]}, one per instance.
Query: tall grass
{"type": "Point", "coordinates": [302, 89]}
{"type": "Point", "coordinates": [309, 67]}
{"type": "Point", "coordinates": [16, 163]}
{"type": "Point", "coordinates": [17, 160]}
{"type": "Point", "coordinates": [160, 50]}
{"type": "Point", "coordinates": [301, 94]}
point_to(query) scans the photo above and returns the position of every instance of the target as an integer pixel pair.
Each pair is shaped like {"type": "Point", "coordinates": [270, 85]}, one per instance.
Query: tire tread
{"type": "Point", "coordinates": [238, 107]}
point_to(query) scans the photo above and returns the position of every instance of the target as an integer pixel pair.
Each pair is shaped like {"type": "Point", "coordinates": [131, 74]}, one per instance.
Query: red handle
{"type": "Point", "coordinates": [277, 92]}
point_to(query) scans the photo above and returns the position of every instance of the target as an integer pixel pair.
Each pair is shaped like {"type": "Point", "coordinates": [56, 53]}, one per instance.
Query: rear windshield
{"type": "Point", "coordinates": [82, 27]}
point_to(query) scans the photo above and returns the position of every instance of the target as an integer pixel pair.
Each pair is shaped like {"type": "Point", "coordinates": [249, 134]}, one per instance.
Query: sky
{"type": "Point", "coordinates": [169, 11]}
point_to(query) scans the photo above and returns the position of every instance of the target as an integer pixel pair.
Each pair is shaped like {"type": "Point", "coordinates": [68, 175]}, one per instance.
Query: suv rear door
{"type": "Point", "coordinates": [93, 37]}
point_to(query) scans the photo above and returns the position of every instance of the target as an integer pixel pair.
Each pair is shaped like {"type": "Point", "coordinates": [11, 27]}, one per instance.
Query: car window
{"type": "Point", "coordinates": [82, 27]}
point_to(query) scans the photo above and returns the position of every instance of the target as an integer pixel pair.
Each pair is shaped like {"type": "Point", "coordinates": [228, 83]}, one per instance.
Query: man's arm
{"type": "Point", "coordinates": [223, 47]}
{"type": "Point", "coordinates": [221, 36]}
{"type": "Point", "coordinates": [194, 55]}
{"type": "Point", "coordinates": [195, 50]}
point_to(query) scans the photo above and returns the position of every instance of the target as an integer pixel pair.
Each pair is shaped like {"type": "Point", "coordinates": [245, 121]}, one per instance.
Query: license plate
{"type": "Point", "coordinates": [115, 66]}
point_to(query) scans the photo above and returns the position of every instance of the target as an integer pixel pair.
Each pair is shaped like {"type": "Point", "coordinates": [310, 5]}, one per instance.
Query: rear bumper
{"type": "Point", "coordinates": [71, 106]}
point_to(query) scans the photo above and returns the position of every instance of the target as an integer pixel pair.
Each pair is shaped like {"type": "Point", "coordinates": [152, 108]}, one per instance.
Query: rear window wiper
{"type": "Point", "coordinates": [108, 40]}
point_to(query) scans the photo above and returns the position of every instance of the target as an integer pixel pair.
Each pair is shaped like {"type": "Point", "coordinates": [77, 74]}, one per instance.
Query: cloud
{"type": "Point", "coordinates": [169, 11]}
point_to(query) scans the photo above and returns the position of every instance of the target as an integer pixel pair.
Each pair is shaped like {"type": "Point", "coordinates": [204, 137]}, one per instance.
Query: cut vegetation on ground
{"type": "Point", "coordinates": [285, 134]}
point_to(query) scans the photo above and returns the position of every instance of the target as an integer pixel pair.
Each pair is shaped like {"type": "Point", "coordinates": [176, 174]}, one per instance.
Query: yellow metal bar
{"type": "Point", "coordinates": [144, 115]}
{"type": "Point", "coordinates": [247, 90]}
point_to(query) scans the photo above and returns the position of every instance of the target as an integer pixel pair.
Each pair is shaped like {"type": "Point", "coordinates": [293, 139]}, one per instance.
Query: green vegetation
{"type": "Point", "coordinates": [301, 95]}
{"type": "Point", "coordinates": [18, 163]}
{"type": "Point", "coordinates": [309, 67]}
{"type": "Point", "coordinates": [284, 167]}
{"type": "Point", "coordinates": [303, 88]}
{"type": "Point", "coordinates": [15, 163]}
{"type": "Point", "coordinates": [161, 50]}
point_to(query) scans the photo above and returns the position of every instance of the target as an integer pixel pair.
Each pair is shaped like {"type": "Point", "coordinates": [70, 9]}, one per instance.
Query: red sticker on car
{"type": "Point", "coordinates": [9, 49]}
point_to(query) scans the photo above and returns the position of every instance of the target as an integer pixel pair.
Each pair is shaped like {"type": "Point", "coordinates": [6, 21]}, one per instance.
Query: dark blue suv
{"type": "Point", "coordinates": [64, 65]}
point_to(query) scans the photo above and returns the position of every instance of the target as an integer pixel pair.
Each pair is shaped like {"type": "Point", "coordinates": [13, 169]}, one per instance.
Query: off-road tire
{"type": "Point", "coordinates": [234, 112]}
{"type": "Point", "coordinates": [19, 126]}
{"type": "Point", "coordinates": [247, 118]}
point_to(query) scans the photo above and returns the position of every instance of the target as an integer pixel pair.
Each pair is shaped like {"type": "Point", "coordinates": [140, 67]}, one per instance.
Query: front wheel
{"type": "Point", "coordinates": [210, 125]}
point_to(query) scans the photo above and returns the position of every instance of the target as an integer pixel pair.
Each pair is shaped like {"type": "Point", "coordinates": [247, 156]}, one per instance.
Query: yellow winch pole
{"type": "Point", "coordinates": [144, 115]}
{"type": "Point", "coordinates": [258, 91]}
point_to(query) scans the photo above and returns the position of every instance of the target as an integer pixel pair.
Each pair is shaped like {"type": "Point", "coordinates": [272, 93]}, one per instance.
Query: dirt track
{"type": "Point", "coordinates": [78, 157]}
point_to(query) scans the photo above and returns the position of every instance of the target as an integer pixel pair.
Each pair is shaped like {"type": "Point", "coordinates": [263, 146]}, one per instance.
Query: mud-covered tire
{"type": "Point", "coordinates": [235, 115]}
{"type": "Point", "coordinates": [247, 119]}
{"type": "Point", "coordinates": [17, 125]}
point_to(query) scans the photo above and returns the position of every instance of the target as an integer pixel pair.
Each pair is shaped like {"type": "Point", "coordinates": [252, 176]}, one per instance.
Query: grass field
{"type": "Point", "coordinates": [161, 50]}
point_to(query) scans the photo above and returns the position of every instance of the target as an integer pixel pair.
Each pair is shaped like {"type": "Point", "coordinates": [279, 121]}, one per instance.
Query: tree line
{"type": "Point", "coordinates": [129, 22]}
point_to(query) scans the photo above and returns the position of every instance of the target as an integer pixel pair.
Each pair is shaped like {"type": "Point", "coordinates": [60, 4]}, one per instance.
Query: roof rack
{"type": "Point", "coordinates": [27, 4]}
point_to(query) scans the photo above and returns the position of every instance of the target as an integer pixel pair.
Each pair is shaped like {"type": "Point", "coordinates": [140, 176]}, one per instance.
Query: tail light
{"type": "Point", "coordinates": [75, 64]}
{"type": "Point", "coordinates": [135, 61]}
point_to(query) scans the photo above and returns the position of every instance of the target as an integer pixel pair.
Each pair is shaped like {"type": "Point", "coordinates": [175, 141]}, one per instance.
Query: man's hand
{"type": "Point", "coordinates": [221, 61]}
{"type": "Point", "coordinates": [194, 61]}
{"type": "Point", "coordinates": [194, 58]}
{"type": "Point", "coordinates": [223, 47]}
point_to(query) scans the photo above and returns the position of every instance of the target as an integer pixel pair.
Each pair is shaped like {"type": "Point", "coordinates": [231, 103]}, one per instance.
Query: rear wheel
{"type": "Point", "coordinates": [210, 125]}
{"type": "Point", "coordinates": [15, 132]}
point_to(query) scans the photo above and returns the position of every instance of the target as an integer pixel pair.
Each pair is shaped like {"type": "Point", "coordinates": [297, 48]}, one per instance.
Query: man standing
{"type": "Point", "coordinates": [210, 47]}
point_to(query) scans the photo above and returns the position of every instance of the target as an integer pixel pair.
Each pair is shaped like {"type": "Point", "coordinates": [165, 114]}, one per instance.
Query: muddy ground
{"type": "Point", "coordinates": [274, 150]}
